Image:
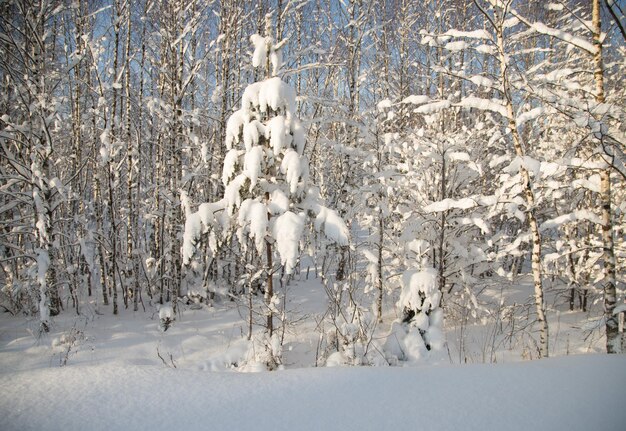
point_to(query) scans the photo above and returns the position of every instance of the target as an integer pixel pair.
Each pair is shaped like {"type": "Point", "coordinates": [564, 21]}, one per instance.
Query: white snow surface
{"type": "Point", "coordinates": [457, 45]}
{"type": "Point", "coordinates": [115, 380]}
{"type": "Point", "coordinates": [197, 224]}
{"type": "Point", "coordinates": [571, 393]}
{"type": "Point", "coordinates": [433, 107]}
{"type": "Point", "coordinates": [383, 104]}
{"type": "Point", "coordinates": [481, 81]}
{"type": "Point", "coordinates": [230, 163]}
{"type": "Point", "coordinates": [476, 34]}
{"type": "Point", "coordinates": [279, 202]}
{"type": "Point", "coordinates": [571, 217]}
{"type": "Point", "coordinates": [233, 127]}
{"type": "Point", "coordinates": [419, 289]}
{"type": "Point", "coordinates": [277, 133]}
{"type": "Point", "coordinates": [529, 115]}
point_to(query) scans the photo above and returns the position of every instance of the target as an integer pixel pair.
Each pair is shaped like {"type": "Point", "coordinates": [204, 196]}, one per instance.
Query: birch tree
{"type": "Point", "coordinates": [29, 122]}
{"type": "Point", "coordinates": [613, 338]}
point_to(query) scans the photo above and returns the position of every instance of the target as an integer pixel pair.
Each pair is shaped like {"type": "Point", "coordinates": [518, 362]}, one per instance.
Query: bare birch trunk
{"type": "Point", "coordinates": [109, 166]}
{"type": "Point", "coordinates": [131, 154]}
{"type": "Point", "coordinates": [137, 264]}
{"type": "Point", "coordinates": [613, 338]}
{"type": "Point", "coordinates": [529, 197]}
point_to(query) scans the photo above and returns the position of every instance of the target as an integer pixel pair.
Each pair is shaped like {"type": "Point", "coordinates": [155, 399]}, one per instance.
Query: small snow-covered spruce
{"type": "Point", "coordinates": [166, 317]}
{"type": "Point", "coordinates": [267, 197]}
{"type": "Point", "coordinates": [350, 351]}
{"type": "Point", "coordinates": [419, 332]}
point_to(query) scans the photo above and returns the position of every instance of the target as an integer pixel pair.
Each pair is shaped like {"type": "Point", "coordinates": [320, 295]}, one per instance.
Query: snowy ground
{"type": "Point", "coordinates": [573, 393]}
{"type": "Point", "coordinates": [123, 373]}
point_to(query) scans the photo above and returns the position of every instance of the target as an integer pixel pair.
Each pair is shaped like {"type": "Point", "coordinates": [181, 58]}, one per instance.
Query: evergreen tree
{"type": "Point", "coordinates": [267, 197]}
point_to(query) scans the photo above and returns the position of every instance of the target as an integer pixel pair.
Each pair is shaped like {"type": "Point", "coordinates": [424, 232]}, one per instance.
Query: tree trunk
{"type": "Point", "coordinates": [613, 338]}
{"type": "Point", "coordinates": [529, 197]}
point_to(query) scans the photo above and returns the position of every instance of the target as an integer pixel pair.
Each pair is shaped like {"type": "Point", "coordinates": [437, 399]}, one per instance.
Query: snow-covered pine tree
{"type": "Point", "coordinates": [267, 197]}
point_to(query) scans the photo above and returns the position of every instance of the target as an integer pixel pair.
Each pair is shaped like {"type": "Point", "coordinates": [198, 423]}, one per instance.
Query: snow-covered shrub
{"type": "Point", "coordinates": [264, 353]}
{"type": "Point", "coordinates": [350, 347]}
{"type": "Point", "coordinates": [351, 339]}
{"type": "Point", "coordinates": [166, 316]}
{"type": "Point", "coordinates": [420, 330]}
{"type": "Point", "coordinates": [67, 344]}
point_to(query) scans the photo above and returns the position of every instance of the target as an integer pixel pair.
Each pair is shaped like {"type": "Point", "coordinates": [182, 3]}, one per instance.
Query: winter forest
{"type": "Point", "coordinates": [335, 182]}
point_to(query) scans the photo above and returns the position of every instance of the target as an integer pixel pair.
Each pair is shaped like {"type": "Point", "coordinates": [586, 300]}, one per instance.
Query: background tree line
{"type": "Point", "coordinates": [484, 139]}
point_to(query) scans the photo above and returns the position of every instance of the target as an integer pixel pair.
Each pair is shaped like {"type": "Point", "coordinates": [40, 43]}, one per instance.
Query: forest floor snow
{"type": "Point", "coordinates": [100, 372]}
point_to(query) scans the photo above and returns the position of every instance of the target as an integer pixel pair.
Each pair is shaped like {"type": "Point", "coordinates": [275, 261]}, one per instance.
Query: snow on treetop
{"type": "Point", "coordinates": [572, 217]}
{"type": "Point", "coordinates": [198, 223]}
{"type": "Point", "coordinates": [581, 43]}
{"type": "Point", "coordinates": [529, 115]}
{"type": "Point", "coordinates": [252, 165]}
{"type": "Point", "coordinates": [485, 49]}
{"type": "Point", "coordinates": [333, 226]}
{"type": "Point", "coordinates": [276, 132]}
{"type": "Point", "coordinates": [456, 45]}
{"type": "Point", "coordinates": [279, 202]}
{"type": "Point", "coordinates": [252, 131]}
{"type": "Point", "coordinates": [259, 57]}
{"type": "Point", "coordinates": [272, 93]}
{"type": "Point", "coordinates": [293, 166]}
{"type": "Point", "coordinates": [555, 6]}
{"type": "Point", "coordinates": [230, 163]}
{"type": "Point", "coordinates": [166, 311]}
{"type": "Point", "coordinates": [481, 81]}
{"type": "Point", "coordinates": [250, 97]}
{"type": "Point", "coordinates": [233, 127]}
{"type": "Point", "coordinates": [277, 94]}
{"type": "Point", "coordinates": [434, 107]}
{"type": "Point", "coordinates": [264, 45]}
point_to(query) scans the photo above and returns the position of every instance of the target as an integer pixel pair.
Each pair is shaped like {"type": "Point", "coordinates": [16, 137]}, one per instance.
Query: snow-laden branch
{"type": "Point", "coordinates": [448, 204]}
{"type": "Point", "coordinates": [542, 28]}
{"type": "Point", "coordinates": [576, 215]}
